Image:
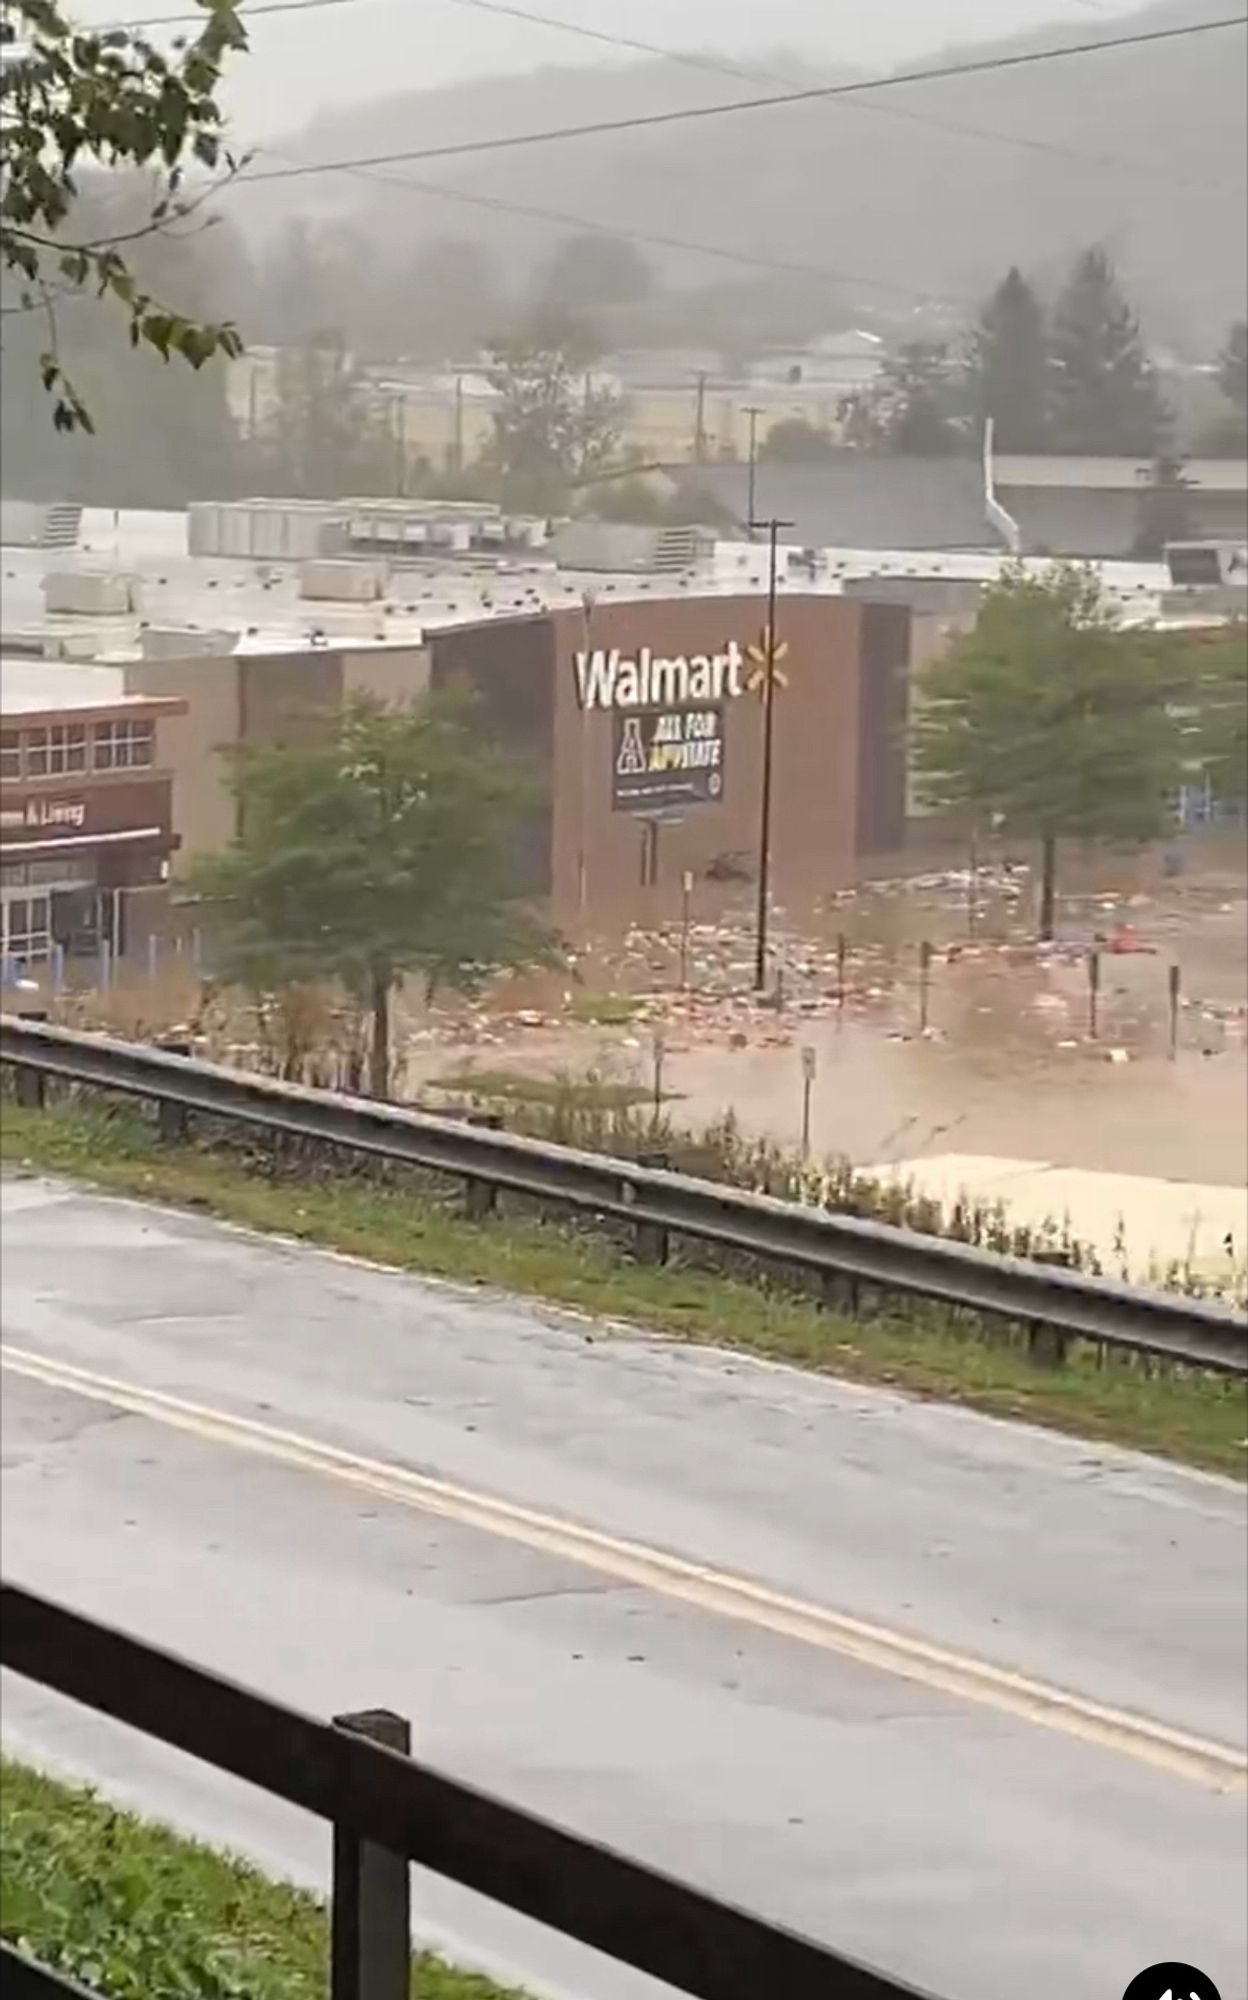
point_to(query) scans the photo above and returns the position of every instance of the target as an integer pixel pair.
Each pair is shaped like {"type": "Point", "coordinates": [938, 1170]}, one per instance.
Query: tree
{"type": "Point", "coordinates": [554, 424]}
{"type": "Point", "coordinates": [1164, 514]}
{"type": "Point", "coordinates": [1106, 400]}
{"type": "Point", "coordinates": [1009, 372]}
{"type": "Point", "coordinates": [387, 850]}
{"type": "Point", "coordinates": [595, 270]}
{"type": "Point", "coordinates": [916, 407]}
{"type": "Point", "coordinates": [1051, 720]}
{"type": "Point", "coordinates": [70, 100]}
{"type": "Point", "coordinates": [159, 436]}
{"type": "Point", "coordinates": [795, 442]}
{"type": "Point", "coordinates": [453, 303]}
{"type": "Point", "coordinates": [1233, 368]}
{"type": "Point", "coordinates": [1217, 668]}
{"type": "Point", "coordinates": [324, 436]}
{"type": "Point", "coordinates": [1227, 435]}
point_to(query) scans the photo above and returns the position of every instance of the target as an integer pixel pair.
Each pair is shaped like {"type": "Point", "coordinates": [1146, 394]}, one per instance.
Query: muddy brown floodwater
{"type": "Point", "coordinates": [1007, 1065]}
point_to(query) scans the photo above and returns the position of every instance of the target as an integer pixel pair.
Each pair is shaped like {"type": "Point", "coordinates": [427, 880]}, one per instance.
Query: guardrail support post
{"type": "Point", "coordinates": [839, 1292]}
{"type": "Point", "coordinates": [172, 1119]}
{"type": "Point", "coordinates": [653, 1241]}
{"type": "Point", "coordinates": [30, 1085]}
{"type": "Point", "coordinates": [481, 1197]}
{"type": "Point", "coordinates": [28, 1088]}
{"type": "Point", "coordinates": [371, 1917]}
{"type": "Point", "coordinates": [1047, 1345]}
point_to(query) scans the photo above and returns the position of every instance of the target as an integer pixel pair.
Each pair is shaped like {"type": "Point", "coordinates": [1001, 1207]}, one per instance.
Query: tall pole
{"type": "Point", "coordinates": [753, 413]}
{"type": "Point", "coordinates": [457, 446]}
{"type": "Point", "coordinates": [588, 600]}
{"type": "Point", "coordinates": [769, 699]}
{"type": "Point", "coordinates": [699, 418]}
{"type": "Point", "coordinates": [398, 429]}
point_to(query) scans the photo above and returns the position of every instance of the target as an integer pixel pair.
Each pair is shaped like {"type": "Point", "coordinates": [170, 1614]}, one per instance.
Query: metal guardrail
{"type": "Point", "coordinates": [1200, 1332]}
{"type": "Point", "coordinates": [386, 1805]}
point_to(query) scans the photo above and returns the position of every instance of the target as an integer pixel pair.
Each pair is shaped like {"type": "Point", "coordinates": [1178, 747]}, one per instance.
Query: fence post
{"type": "Point", "coordinates": [371, 1919]}
{"type": "Point", "coordinates": [481, 1197]}
{"type": "Point", "coordinates": [1047, 1345]}
{"type": "Point", "coordinates": [839, 1292]}
{"type": "Point", "coordinates": [652, 1237]}
{"type": "Point", "coordinates": [925, 982]}
{"type": "Point", "coordinates": [172, 1120]}
{"type": "Point", "coordinates": [30, 1085]}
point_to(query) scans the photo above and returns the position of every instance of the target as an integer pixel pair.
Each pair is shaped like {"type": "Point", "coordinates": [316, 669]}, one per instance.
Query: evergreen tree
{"type": "Point", "coordinates": [1106, 401]}
{"type": "Point", "coordinates": [1164, 512]}
{"type": "Point", "coordinates": [1233, 368]}
{"type": "Point", "coordinates": [1226, 435]}
{"type": "Point", "coordinates": [919, 401]}
{"type": "Point", "coordinates": [1010, 372]}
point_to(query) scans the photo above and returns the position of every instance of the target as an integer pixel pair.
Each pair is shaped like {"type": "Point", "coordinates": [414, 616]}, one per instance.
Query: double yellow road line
{"type": "Point", "coordinates": [1215, 1766]}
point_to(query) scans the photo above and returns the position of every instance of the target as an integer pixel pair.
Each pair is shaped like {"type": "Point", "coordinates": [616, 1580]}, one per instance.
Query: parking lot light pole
{"type": "Point", "coordinates": [768, 669]}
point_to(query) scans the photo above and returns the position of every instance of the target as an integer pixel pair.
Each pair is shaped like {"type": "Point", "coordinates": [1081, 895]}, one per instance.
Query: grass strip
{"type": "Point", "coordinates": [136, 1912]}
{"type": "Point", "coordinates": [1198, 1419]}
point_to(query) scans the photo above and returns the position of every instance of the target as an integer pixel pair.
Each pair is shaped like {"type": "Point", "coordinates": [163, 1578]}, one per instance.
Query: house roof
{"type": "Point", "coordinates": [857, 500]}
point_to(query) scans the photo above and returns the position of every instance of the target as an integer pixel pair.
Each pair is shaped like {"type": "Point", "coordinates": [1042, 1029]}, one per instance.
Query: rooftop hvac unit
{"type": "Point", "coordinates": [263, 530]}
{"type": "Point", "coordinates": [1194, 565]}
{"type": "Point", "coordinates": [180, 642]}
{"type": "Point", "coordinates": [90, 593]}
{"type": "Point", "coordinates": [34, 524]}
{"type": "Point", "coordinates": [619, 546]}
{"type": "Point", "coordinates": [342, 580]}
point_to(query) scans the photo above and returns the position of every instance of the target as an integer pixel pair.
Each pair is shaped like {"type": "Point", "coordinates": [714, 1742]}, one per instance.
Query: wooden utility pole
{"type": "Point", "coordinates": [753, 412]}
{"type": "Point", "coordinates": [699, 417]}
{"type": "Point", "coordinates": [768, 655]}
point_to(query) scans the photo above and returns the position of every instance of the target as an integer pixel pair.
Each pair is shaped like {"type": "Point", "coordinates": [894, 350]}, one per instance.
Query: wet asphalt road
{"type": "Point", "coordinates": [964, 1847]}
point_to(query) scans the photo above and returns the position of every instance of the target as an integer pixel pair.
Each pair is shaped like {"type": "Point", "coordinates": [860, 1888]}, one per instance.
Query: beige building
{"type": "Point", "coordinates": [236, 698]}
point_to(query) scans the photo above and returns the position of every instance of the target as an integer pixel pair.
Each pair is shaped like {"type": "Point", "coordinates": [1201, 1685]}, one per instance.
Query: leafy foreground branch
{"type": "Point", "coordinates": [140, 1914]}
{"type": "Point", "coordinates": [408, 1223]}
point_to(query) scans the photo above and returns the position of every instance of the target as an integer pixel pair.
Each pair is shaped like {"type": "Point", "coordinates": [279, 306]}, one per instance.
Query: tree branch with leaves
{"type": "Point", "coordinates": [74, 101]}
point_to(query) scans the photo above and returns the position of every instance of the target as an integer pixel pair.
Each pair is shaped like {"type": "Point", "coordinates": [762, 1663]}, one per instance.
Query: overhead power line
{"type": "Point", "coordinates": [780, 266]}
{"type": "Point", "coordinates": [690, 114]}
{"type": "Point", "coordinates": [198, 18]}
{"type": "Point", "coordinates": [723, 66]}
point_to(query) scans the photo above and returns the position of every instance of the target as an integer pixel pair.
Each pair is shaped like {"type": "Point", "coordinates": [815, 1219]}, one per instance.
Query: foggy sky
{"type": "Point", "coordinates": [344, 54]}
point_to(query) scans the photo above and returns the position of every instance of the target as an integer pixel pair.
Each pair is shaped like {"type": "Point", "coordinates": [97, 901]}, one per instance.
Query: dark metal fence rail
{"type": "Point", "coordinates": [375, 1795]}
{"type": "Point", "coordinates": [22, 1979]}
{"type": "Point", "coordinates": [1205, 1333]}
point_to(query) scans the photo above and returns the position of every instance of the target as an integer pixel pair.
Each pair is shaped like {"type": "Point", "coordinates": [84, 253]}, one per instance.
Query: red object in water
{"type": "Point", "coordinates": [1125, 939]}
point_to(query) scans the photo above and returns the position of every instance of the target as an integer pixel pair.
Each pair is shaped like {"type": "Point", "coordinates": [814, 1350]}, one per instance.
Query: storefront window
{"type": "Point", "coordinates": [124, 745]}
{"type": "Point", "coordinates": [58, 871]}
{"type": "Point", "coordinates": [27, 928]}
{"type": "Point", "coordinates": [50, 753]}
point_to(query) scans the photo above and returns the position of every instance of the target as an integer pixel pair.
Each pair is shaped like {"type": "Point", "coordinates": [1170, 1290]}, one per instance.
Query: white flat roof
{"type": "Point", "coordinates": [259, 605]}
{"type": "Point", "coordinates": [27, 686]}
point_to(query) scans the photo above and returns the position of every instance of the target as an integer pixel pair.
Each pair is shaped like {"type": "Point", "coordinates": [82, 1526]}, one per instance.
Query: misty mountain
{"type": "Point", "coordinates": [907, 205]}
